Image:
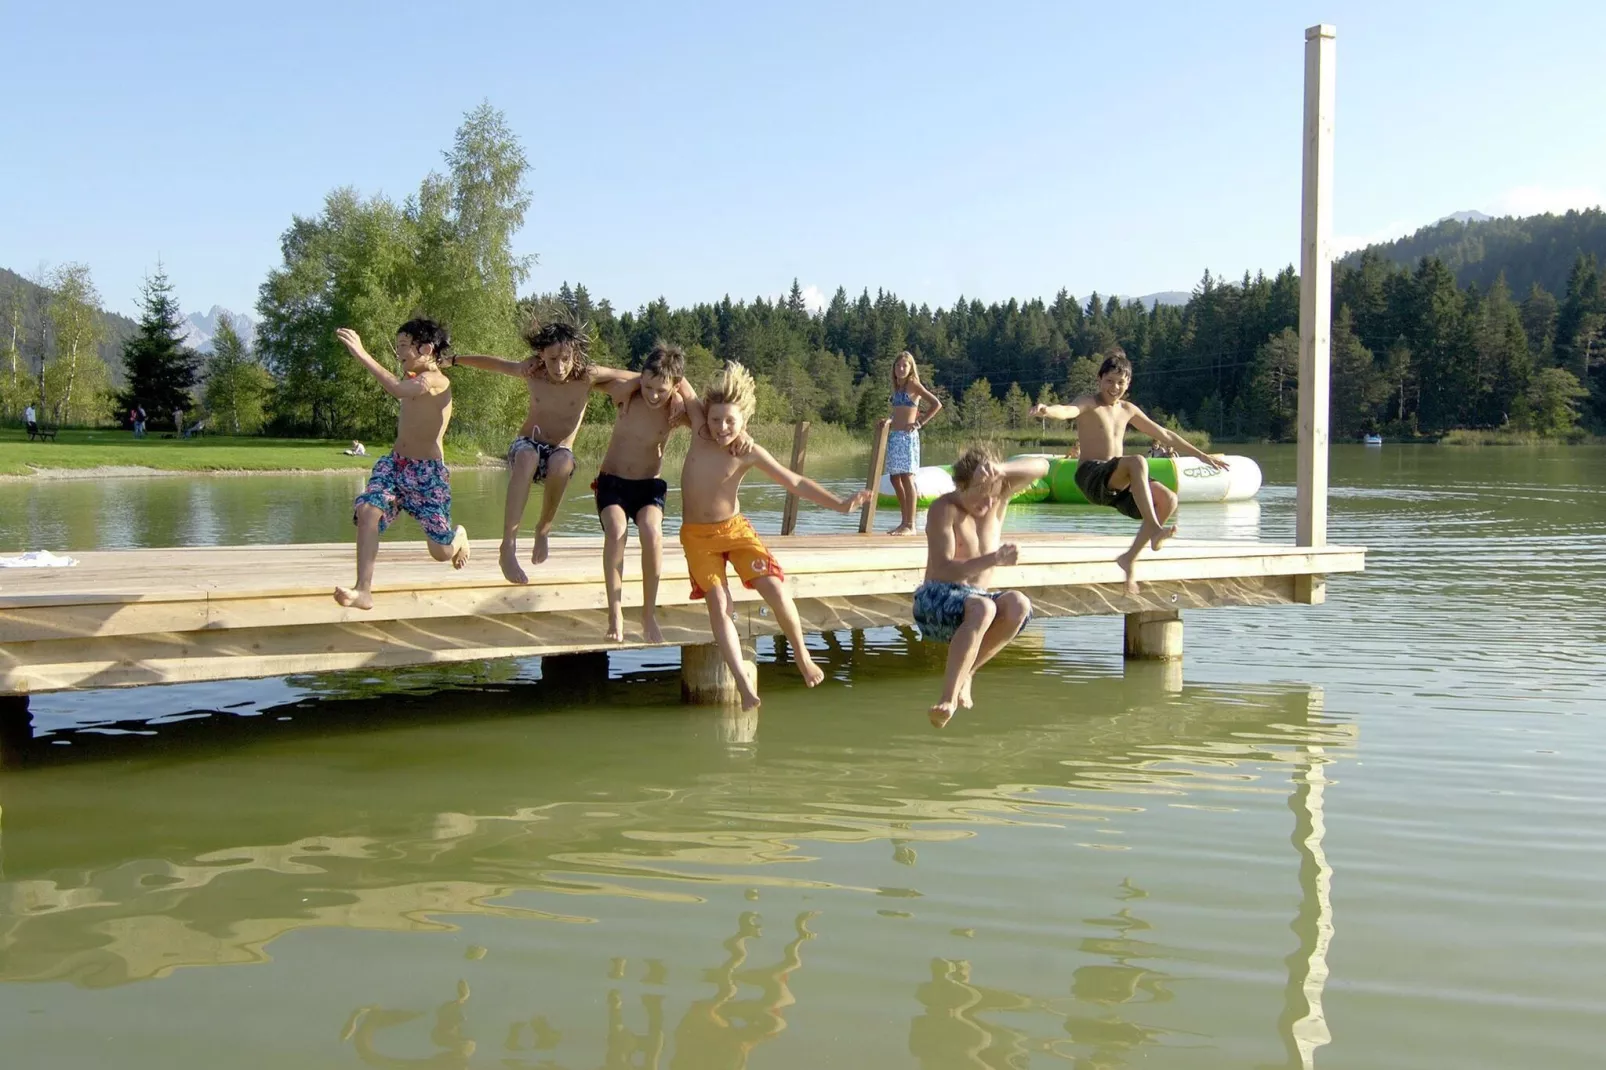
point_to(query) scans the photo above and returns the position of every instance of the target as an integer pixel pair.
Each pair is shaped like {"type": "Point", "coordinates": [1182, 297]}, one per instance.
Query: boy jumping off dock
{"type": "Point", "coordinates": [954, 605]}
{"type": "Point", "coordinates": [413, 475]}
{"type": "Point", "coordinates": [560, 377]}
{"type": "Point", "coordinates": [714, 531]}
{"type": "Point", "coordinates": [1104, 476]}
{"type": "Point", "coordinates": [629, 487]}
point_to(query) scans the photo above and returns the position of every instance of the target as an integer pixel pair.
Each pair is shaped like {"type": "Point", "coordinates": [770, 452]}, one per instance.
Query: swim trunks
{"type": "Point", "coordinates": [940, 608]}
{"type": "Point", "coordinates": [421, 487]}
{"type": "Point", "coordinates": [709, 546]}
{"type": "Point", "coordinates": [1093, 480]}
{"type": "Point", "coordinates": [631, 495]}
{"type": "Point", "coordinates": [903, 453]}
{"type": "Point", "coordinates": [544, 452]}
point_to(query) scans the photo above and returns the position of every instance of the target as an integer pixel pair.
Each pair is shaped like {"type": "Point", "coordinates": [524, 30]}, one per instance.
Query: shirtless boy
{"type": "Point", "coordinates": [412, 476]}
{"type": "Point", "coordinates": [1107, 478]}
{"type": "Point", "coordinates": [629, 487]}
{"type": "Point", "coordinates": [953, 605]}
{"type": "Point", "coordinates": [560, 377]}
{"type": "Point", "coordinates": [714, 531]}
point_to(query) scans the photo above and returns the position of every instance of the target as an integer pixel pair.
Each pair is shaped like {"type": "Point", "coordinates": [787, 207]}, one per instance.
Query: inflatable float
{"type": "Point", "coordinates": [1194, 481]}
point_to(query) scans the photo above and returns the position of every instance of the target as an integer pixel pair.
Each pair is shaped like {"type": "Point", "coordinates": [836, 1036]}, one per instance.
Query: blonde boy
{"type": "Point", "coordinates": [714, 531]}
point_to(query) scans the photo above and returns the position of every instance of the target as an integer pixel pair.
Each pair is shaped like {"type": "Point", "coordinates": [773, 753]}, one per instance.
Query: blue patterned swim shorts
{"type": "Point", "coordinates": [421, 487]}
{"type": "Point", "coordinates": [940, 608]}
{"type": "Point", "coordinates": [903, 453]}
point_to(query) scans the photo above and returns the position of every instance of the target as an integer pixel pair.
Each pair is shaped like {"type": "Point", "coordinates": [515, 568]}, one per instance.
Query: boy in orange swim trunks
{"type": "Point", "coordinates": [714, 531]}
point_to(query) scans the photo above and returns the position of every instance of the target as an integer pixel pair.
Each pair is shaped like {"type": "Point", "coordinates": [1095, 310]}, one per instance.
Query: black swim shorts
{"type": "Point", "coordinates": [1093, 480]}
{"type": "Point", "coordinates": [631, 495]}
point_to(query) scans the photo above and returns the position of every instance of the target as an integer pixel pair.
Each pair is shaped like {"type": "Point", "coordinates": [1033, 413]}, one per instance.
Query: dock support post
{"type": "Point", "coordinates": [800, 457]}
{"type": "Point", "coordinates": [1154, 636]}
{"type": "Point", "coordinates": [16, 728]}
{"type": "Point", "coordinates": [705, 680]}
{"type": "Point", "coordinates": [878, 462]}
{"type": "Point", "coordinates": [1315, 287]}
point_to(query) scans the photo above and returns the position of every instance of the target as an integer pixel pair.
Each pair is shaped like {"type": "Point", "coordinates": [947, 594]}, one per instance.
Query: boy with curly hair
{"type": "Point", "coordinates": [560, 376]}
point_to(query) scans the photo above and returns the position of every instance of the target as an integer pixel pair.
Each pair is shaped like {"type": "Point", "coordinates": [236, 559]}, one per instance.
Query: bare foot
{"type": "Point", "coordinates": [902, 529]}
{"type": "Point", "coordinates": [616, 625]}
{"type": "Point", "coordinates": [965, 700]}
{"type": "Point", "coordinates": [812, 673]}
{"type": "Point", "coordinates": [750, 699]}
{"type": "Point", "coordinates": [539, 554]}
{"type": "Point", "coordinates": [508, 558]}
{"type": "Point", "coordinates": [1128, 563]}
{"type": "Point", "coordinates": [1161, 536]}
{"type": "Point", "coordinates": [649, 630]}
{"type": "Point", "coordinates": [941, 714]}
{"type": "Point", "coordinates": [460, 546]}
{"type": "Point", "coordinates": [354, 599]}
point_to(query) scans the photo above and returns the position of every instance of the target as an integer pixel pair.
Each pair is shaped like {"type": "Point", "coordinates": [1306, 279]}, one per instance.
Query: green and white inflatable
{"type": "Point", "coordinates": [1194, 481]}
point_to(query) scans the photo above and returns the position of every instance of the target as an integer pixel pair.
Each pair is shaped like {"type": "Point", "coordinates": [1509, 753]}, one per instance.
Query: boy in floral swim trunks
{"type": "Point", "coordinates": [953, 605]}
{"type": "Point", "coordinates": [413, 476]}
{"type": "Point", "coordinates": [713, 530]}
{"type": "Point", "coordinates": [560, 377]}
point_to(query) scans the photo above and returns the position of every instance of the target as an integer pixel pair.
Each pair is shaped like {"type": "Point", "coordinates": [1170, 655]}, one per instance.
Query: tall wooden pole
{"type": "Point", "coordinates": [1315, 287]}
{"type": "Point", "coordinates": [800, 457]}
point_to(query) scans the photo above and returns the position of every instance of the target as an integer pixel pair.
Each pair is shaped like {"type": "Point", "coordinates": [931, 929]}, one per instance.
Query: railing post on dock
{"type": "Point", "coordinates": [878, 461]}
{"type": "Point", "coordinates": [1315, 287]}
{"type": "Point", "coordinates": [800, 457]}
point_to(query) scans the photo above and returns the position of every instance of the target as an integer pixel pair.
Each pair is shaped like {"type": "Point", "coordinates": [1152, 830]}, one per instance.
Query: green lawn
{"type": "Point", "coordinates": [209, 453]}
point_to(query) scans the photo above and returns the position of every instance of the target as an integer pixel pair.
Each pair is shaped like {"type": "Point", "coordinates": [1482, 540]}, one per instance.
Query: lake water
{"type": "Point", "coordinates": [1367, 834]}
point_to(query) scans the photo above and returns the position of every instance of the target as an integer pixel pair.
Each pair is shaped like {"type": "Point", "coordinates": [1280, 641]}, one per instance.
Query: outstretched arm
{"type": "Point", "coordinates": [500, 365]}
{"type": "Point", "coordinates": [1165, 435]}
{"type": "Point", "coordinates": [931, 411]}
{"type": "Point", "coordinates": [1018, 473]}
{"type": "Point", "coordinates": [601, 377]}
{"type": "Point", "coordinates": [1056, 412]}
{"type": "Point", "coordinates": [411, 387]}
{"type": "Point", "coordinates": [802, 486]}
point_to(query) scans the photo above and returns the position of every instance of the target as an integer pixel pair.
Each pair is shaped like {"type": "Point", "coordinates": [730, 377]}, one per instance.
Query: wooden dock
{"type": "Point", "coordinates": [136, 617]}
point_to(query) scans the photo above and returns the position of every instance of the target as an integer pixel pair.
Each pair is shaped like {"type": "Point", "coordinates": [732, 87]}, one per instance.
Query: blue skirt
{"type": "Point", "coordinates": [903, 453]}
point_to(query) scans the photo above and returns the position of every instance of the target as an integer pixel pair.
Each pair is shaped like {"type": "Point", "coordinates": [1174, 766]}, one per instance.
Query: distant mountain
{"type": "Point", "coordinates": [36, 301]}
{"type": "Point", "coordinates": [1166, 297]}
{"type": "Point", "coordinates": [200, 329]}
{"type": "Point", "coordinates": [1540, 248]}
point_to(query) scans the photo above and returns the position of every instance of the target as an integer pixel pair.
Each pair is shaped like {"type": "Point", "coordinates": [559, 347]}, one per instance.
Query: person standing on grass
{"type": "Point", "coordinates": [963, 546]}
{"type": "Point", "coordinates": [31, 419]}
{"type": "Point", "coordinates": [560, 378]}
{"type": "Point", "coordinates": [139, 421]}
{"type": "Point", "coordinates": [413, 476]}
{"type": "Point", "coordinates": [713, 531]}
{"type": "Point", "coordinates": [903, 440]}
{"type": "Point", "coordinates": [1104, 476]}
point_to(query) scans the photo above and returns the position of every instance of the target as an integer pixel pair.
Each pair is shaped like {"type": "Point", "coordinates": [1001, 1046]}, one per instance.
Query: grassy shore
{"type": "Point", "coordinates": [1027, 439]}
{"type": "Point", "coordinates": [112, 452]}
{"type": "Point", "coordinates": [1577, 437]}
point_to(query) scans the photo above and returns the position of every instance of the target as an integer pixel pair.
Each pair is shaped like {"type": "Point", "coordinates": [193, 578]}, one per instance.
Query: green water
{"type": "Point", "coordinates": [1366, 834]}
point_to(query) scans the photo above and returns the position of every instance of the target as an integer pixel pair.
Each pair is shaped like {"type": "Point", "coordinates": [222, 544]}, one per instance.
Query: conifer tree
{"type": "Point", "coordinates": [161, 369]}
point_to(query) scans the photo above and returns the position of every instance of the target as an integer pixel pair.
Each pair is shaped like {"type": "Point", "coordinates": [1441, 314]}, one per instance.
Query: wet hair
{"type": "Point", "coordinates": [733, 386]}
{"type": "Point", "coordinates": [426, 332]}
{"type": "Point", "coordinates": [1115, 362]}
{"type": "Point", "coordinates": [914, 370]}
{"type": "Point", "coordinates": [666, 360]}
{"type": "Point", "coordinates": [577, 337]}
{"type": "Point", "coordinates": [970, 462]}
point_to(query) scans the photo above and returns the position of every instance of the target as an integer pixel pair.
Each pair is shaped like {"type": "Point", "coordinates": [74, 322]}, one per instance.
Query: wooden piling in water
{"type": "Point", "coordinates": [800, 457]}
{"type": "Point", "coordinates": [878, 461]}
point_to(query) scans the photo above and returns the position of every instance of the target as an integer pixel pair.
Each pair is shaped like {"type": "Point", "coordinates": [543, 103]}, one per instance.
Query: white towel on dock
{"type": "Point", "coordinates": [37, 559]}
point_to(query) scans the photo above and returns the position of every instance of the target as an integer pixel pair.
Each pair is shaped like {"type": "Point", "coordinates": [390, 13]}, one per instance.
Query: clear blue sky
{"type": "Point", "coordinates": [692, 150]}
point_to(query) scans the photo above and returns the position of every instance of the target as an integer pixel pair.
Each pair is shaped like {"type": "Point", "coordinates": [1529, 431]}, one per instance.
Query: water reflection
{"type": "Point", "coordinates": [127, 859]}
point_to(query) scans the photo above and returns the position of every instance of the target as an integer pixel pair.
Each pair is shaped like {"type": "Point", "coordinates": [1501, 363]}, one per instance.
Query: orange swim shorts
{"type": "Point", "coordinates": [709, 546]}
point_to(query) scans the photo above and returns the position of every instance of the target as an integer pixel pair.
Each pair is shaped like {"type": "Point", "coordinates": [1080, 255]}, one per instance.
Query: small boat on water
{"type": "Point", "coordinates": [1373, 440]}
